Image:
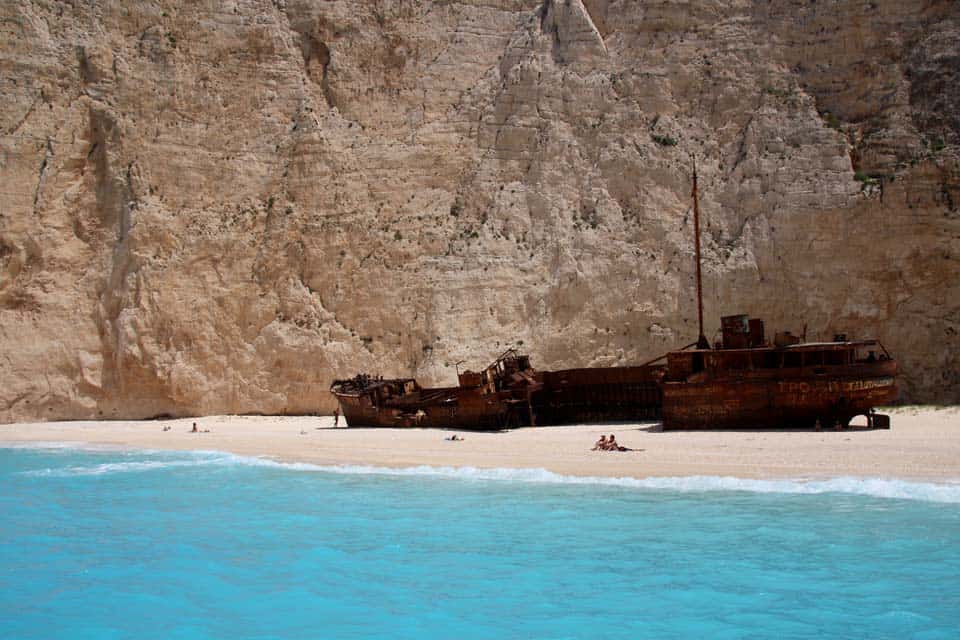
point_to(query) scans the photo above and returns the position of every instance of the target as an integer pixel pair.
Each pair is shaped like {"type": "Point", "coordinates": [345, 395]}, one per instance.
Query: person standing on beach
{"type": "Point", "coordinates": [336, 416]}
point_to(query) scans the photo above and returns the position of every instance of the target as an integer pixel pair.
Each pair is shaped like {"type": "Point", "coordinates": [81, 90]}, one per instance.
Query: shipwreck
{"type": "Point", "coordinates": [742, 381]}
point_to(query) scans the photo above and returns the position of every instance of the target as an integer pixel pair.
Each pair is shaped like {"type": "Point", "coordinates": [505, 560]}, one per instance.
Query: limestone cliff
{"type": "Point", "coordinates": [218, 206]}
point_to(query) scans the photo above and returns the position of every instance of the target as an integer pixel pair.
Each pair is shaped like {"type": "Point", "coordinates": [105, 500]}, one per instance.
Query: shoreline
{"type": "Point", "coordinates": [922, 445]}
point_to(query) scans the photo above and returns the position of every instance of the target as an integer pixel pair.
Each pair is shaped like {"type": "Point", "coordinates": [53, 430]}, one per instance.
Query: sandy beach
{"type": "Point", "coordinates": [923, 444]}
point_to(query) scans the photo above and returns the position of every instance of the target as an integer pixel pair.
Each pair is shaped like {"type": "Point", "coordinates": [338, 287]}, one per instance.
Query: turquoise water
{"type": "Point", "coordinates": [113, 544]}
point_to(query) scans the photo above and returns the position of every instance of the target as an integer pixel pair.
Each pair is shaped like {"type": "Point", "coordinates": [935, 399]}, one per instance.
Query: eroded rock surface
{"type": "Point", "coordinates": [217, 207]}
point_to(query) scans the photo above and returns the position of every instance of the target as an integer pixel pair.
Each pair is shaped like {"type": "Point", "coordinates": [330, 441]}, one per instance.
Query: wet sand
{"type": "Point", "coordinates": [923, 444]}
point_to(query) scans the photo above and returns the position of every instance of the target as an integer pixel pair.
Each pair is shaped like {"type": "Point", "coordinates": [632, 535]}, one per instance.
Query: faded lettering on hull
{"type": "Point", "coordinates": [804, 387]}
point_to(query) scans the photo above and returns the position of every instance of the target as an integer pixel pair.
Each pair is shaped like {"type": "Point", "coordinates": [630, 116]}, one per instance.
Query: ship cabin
{"type": "Point", "coordinates": [744, 353]}
{"type": "Point", "coordinates": [374, 389]}
{"type": "Point", "coordinates": [499, 375]}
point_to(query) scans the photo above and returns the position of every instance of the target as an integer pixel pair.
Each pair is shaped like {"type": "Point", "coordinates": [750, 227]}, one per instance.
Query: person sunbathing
{"type": "Point", "coordinates": [601, 444]}
{"type": "Point", "coordinates": [613, 445]}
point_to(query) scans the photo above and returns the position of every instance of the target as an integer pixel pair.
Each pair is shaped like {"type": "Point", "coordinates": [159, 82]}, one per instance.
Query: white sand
{"type": "Point", "coordinates": [923, 444]}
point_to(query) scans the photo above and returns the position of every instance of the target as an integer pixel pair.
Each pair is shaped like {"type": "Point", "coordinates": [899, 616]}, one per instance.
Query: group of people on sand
{"type": "Point", "coordinates": [608, 444]}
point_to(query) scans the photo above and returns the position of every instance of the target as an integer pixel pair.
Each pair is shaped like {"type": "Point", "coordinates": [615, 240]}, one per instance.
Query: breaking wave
{"type": "Point", "coordinates": [162, 460]}
{"type": "Point", "coordinates": [71, 446]}
{"type": "Point", "coordinates": [875, 487]}
{"type": "Point", "coordinates": [946, 492]}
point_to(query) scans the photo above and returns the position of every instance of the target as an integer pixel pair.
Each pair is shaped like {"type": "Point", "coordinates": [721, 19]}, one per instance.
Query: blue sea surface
{"type": "Point", "coordinates": [122, 544]}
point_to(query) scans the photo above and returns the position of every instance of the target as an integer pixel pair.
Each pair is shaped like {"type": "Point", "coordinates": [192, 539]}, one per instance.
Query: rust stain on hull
{"type": "Point", "coordinates": [598, 395]}
{"type": "Point", "coordinates": [765, 404]}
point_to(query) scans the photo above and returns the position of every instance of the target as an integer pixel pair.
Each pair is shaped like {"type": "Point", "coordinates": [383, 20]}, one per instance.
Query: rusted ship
{"type": "Point", "coordinates": [746, 382]}
{"type": "Point", "coordinates": [495, 398]}
{"type": "Point", "coordinates": [507, 393]}
{"type": "Point", "coordinates": [742, 381]}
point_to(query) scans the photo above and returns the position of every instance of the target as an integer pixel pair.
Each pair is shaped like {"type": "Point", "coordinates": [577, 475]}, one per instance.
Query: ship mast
{"type": "Point", "coordinates": [702, 342]}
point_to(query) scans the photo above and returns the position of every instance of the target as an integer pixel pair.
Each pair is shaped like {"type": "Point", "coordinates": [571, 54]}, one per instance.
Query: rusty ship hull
{"type": "Point", "coordinates": [744, 382]}
{"type": "Point", "coordinates": [497, 397]}
{"type": "Point", "coordinates": [445, 407]}
{"type": "Point", "coordinates": [789, 400]}
{"type": "Point", "coordinates": [598, 394]}
{"type": "Point", "coordinates": [508, 393]}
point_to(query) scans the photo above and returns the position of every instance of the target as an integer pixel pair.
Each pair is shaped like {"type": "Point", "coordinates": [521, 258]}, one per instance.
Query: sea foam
{"type": "Point", "coordinates": [946, 492]}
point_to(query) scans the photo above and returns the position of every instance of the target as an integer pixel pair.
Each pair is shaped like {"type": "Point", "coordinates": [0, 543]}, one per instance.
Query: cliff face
{"type": "Point", "coordinates": [218, 207]}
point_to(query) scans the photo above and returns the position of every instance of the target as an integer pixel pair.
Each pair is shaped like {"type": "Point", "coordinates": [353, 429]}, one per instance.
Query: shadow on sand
{"type": "Point", "coordinates": [626, 425]}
